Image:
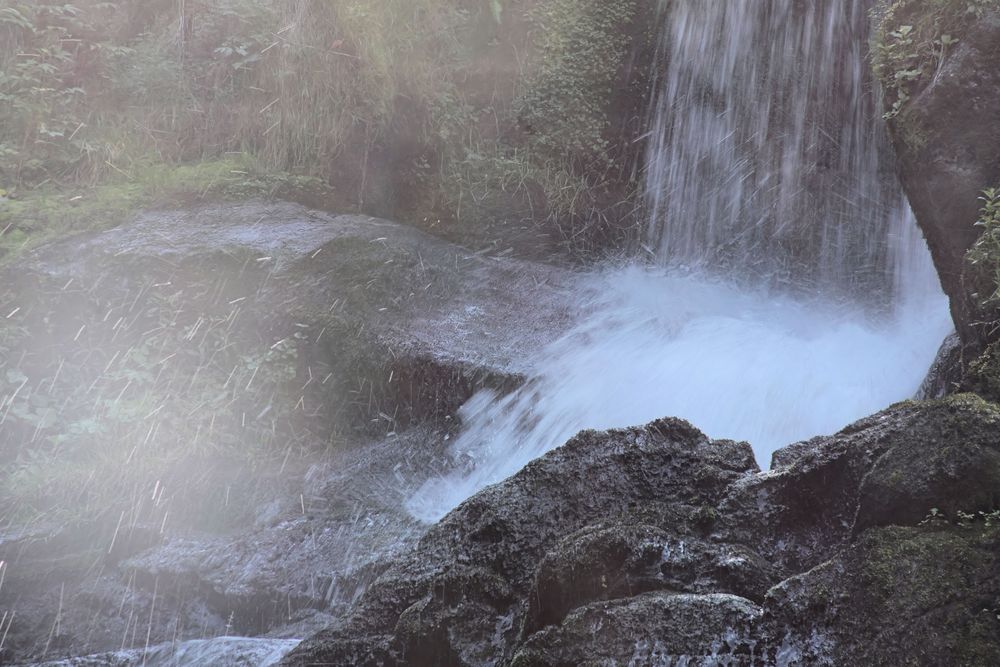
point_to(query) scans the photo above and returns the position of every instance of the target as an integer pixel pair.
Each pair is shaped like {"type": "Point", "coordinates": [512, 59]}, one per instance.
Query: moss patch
{"type": "Point", "coordinates": [582, 48]}
{"type": "Point", "coordinates": [29, 218]}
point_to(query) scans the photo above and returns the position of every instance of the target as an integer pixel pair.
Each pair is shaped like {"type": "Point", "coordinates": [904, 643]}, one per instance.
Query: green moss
{"type": "Point", "coordinates": [33, 217]}
{"type": "Point", "coordinates": [921, 595]}
{"type": "Point", "coordinates": [582, 47]}
{"type": "Point", "coordinates": [911, 571]}
{"type": "Point", "coordinates": [911, 130]}
{"type": "Point", "coordinates": [983, 374]}
{"type": "Point", "coordinates": [978, 645]}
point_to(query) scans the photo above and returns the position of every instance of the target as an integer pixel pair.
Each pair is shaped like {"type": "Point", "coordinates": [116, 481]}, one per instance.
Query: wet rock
{"type": "Point", "coordinates": [655, 545]}
{"type": "Point", "coordinates": [617, 561]}
{"type": "Point", "coordinates": [320, 357]}
{"type": "Point", "coordinates": [321, 550]}
{"type": "Point", "coordinates": [220, 652]}
{"type": "Point", "coordinates": [897, 596]}
{"type": "Point", "coordinates": [945, 456]}
{"type": "Point", "coordinates": [460, 598]}
{"type": "Point", "coordinates": [648, 629]}
{"type": "Point", "coordinates": [890, 468]}
{"type": "Point", "coordinates": [419, 323]}
{"type": "Point", "coordinates": [945, 375]}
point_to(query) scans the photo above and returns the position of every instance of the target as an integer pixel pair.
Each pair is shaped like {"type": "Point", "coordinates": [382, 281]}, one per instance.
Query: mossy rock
{"type": "Point", "coordinates": [897, 596]}
{"type": "Point", "coordinates": [983, 374]}
{"type": "Point", "coordinates": [948, 457]}
{"type": "Point", "coordinates": [939, 66]}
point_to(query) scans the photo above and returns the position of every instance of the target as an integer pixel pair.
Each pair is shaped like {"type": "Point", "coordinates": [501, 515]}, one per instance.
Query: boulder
{"type": "Point", "coordinates": [461, 597]}
{"type": "Point", "coordinates": [648, 629]}
{"type": "Point", "coordinates": [655, 546]}
{"type": "Point", "coordinates": [926, 595]}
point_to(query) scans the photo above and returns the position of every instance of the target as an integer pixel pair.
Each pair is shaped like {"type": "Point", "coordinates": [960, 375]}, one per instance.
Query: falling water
{"type": "Point", "coordinates": [791, 292]}
{"type": "Point", "coordinates": [766, 157]}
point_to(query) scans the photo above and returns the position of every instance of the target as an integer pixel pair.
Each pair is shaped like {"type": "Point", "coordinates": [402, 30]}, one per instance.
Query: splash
{"type": "Point", "coordinates": [739, 363]}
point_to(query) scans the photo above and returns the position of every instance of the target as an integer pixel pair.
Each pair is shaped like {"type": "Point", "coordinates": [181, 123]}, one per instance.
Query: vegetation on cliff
{"type": "Point", "coordinates": [938, 65]}
{"type": "Point", "coordinates": [423, 110]}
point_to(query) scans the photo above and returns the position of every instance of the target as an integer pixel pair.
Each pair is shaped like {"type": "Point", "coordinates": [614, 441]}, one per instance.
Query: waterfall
{"type": "Point", "coordinates": [791, 293]}
{"type": "Point", "coordinates": [767, 157]}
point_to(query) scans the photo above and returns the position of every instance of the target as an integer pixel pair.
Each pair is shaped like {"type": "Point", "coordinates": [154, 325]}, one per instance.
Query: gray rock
{"type": "Point", "coordinates": [460, 598]}
{"type": "Point", "coordinates": [577, 559]}
{"type": "Point", "coordinates": [648, 630]}
{"type": "Point", "coordinates": [926, 595]}
{"type": "Point", "coordinates": [947, 142]}
{"type": "Point", "coordinates": [617, 561]}
{"type": "Point", "coordinates": [378, 333]}
{"type": "Point", "coordinates": [945, 375]}
{"type": "Point", "coordinates": [219, 652]}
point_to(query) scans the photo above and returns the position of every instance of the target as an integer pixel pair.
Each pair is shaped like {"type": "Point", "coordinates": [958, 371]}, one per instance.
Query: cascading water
{"type": "Point", "coordinates": [765, 158]}
{"type": "Point", "coordinates": [780, 242]}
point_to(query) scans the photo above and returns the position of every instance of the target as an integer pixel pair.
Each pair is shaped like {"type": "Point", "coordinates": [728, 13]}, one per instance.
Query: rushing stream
{"type": "Point", "coordinates": [790, 292]}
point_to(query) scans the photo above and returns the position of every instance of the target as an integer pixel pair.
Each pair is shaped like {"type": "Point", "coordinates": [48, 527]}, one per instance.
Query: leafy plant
{"type": "Point", "coordinates": [962, 519]}
{"type": "Point", "coordinates": [985, 254]}
{"type": "Point", "coordinates": [912, 39]}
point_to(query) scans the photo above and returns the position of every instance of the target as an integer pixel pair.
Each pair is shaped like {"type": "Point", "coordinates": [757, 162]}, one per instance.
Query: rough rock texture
{"type": "Point", "coordinates": [462, 596]}
{"type": "Point", "coordinates": [381, 290]}
{"type": "Point", "coordinates": [657, 546]}
{"type": "Point", "coordinates": [947, 138]}
{"type": "Point", "coordinates": [650, 629]}
{"type": "Point", "coordinates": [924, 595]}
{"type": "Point", "coordinates": [221, 652]}
{"type": "Point", "coordinates": [945, 375]}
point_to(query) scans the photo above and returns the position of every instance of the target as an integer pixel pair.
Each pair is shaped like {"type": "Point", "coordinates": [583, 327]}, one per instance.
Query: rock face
{"type": "Point", "coordinates": [657, 546]}
{"type": "Point", "coordinates": [947, 135]}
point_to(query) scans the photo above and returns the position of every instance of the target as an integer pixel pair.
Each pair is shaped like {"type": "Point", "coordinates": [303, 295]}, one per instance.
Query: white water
{"type": "Point", "coordinates": [767, 166]}
{"type": "Point", "coordinates": [766, 154]}
{"type": "Point", "coordinates": [738, 363]}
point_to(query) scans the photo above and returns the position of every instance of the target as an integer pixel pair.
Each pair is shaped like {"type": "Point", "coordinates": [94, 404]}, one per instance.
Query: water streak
{"type": "Point", "coordinates": [766, 155]}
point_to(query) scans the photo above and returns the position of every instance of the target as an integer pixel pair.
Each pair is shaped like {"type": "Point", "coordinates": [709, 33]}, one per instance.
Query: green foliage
{"type": "Point", "coordinates": [294, 82]}
{"type": "Point", "coordinates": [554, 159]}
{"type": "Point", "coordinates": [984, 256]}
{"type": "Point", "coordinates": [97, 91]}
{"type": "Point", "coordinates": [44, 61]}
{"type": "Point", "coordinates": [911, 40]}
{"type": "Point", "coordinates": [582, 48]}
{"type": "Point", "coordinates": [963, 519]}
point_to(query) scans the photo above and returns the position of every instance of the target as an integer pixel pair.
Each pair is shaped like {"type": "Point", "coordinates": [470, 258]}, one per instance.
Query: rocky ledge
{"type": "Point", "coordinates": [656, 546]}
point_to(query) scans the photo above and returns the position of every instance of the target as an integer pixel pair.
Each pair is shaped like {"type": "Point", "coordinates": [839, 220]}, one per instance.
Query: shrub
{"type": "Point", "coordinates": [984, 256]}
